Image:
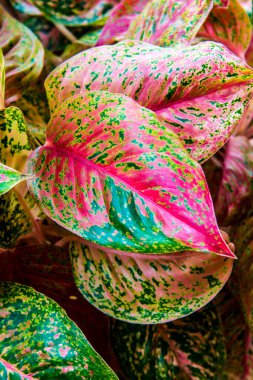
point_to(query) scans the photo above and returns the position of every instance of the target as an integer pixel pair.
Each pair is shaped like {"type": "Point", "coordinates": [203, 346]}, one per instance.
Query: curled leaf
{"type": "Point", "coordinates": [200, 91]}
{"type": "Point", "coordinates": [148, 290]}
{"type": "Point", "coordinates": [40, 341]}
{"type": "Point", "coordinates": [23, 55]}
{"type": "Point", "coordinates": [86, 177]}
{"type": "Point", "coordinates": [189, 348]}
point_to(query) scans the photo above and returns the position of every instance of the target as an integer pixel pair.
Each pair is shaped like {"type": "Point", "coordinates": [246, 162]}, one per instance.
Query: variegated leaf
{"type": "Point", "coordinates": [9, 178]}
{"type": "Point", "coordinates": [169, 22]}
{"type": "Point", "coordinates": [221, 3]}
{"type": "Point", "coordinates": [87, 41]}
{"type": "Point", "coordinates": [2, 80]}
{"type": "Point", "coordinates": [40, 341]}
{"type": "Point", "coordinates": [235, 190]}
{"type": "Point", "coordinates": [148, 290]}
{"type": "Point", "coordinates": [230, 26]}
{"type": "Point", "coordinates": [23, 55]}
{"type": "Point", "coordinates": [76, 13]}
{"type": "Point", "coordinates": [14, 150]}
{"type": "Point", "coordinates": [191, 348]}
{"type": "Point", "coordinates": [200, 91]}
{"type": "Point", "coordinates": [26, 7]}
{"type": "Point", "coordinates": [87, 179]}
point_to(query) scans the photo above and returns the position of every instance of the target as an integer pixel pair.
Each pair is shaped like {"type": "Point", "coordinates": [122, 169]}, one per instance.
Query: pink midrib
{"type": "Point", "coordinates": [12, 368]}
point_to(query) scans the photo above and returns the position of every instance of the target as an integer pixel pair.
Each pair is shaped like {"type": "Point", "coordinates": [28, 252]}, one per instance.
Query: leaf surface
{"type": "Point", "coordinates": [169, 22]}
{"type": "Point", "coordinates": [86, 177]}
{"type": "Point", "coordinates": [9, 178]}
{"type": "Point", "coordinates": [189, 348]}
{"type": "Point", "coordinates": [76, 13]}
{"type": "Point", "coordinates": [200, 91]}
{"type": "Point", "coordinates": [148, 290]}
{"type": "Point", "coordinates": [230, 26]}
{"type": "Point", "coordinates": [41, 341]}
{"type": "Point", "coordinates": [23, 55]}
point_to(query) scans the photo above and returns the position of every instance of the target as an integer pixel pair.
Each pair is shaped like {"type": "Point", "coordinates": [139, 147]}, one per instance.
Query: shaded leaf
{"type": "Point", "coordinates": [2, 80]}
{"type": "Point", "coordinates": [14, 150]}
{"type": "Point", "coordinates": [26, 7]}
{"type": "Point", "coordinates": [9, 178]}
{"type": "Point", "coordinates": [221, 3]}
{"type": "Point", "coordinates": [189, 348]}
{"type": "Point", "coordinates": [230, 26]}
{"type": "Point", "coordinates": [235, 190]}
{"type": "Point", "coordinates": [169, 22]}
{"type": "Point", "coordinates": [148, 290]}
{"type": "Point", "coordinates": [201, 91]}
{"type": "Point", "coordinates": [41, 341]}
{"type": "Point", "coordinates": [23, 55]}
{"type": "Point", "coordinates": [75, 13]}
{"type": "Point", "coordinates": [86, 178]}
{"type": "Point", "coordinates": [87, 41]}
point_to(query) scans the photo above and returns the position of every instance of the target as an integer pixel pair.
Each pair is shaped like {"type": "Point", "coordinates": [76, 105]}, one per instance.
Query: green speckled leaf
{"type": "Point", "coordinates": [148, 290]}
{"type": "Point", "coordinates": [23, 55]}
{"type": "Point", "coordinates": [191, 348]}
{"type": "Point", "coordinates": [76, 12]}
{"type": "Point", "coordinates": [14, 150]}
{"type": "Point", "coordinates": [169, 22]}
{"type": "Point", "coordinates": [9, 178]}
{"type": "Point", "coordinates": [230, 26]}
{"type": "Point", "coordinates": [39, 339]}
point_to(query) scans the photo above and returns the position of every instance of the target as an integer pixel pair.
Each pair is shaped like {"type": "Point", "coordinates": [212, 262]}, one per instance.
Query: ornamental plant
{"type": "Point", "coordinates": [126, 189]}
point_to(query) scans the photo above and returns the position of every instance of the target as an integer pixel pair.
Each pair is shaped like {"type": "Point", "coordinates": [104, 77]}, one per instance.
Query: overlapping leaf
{"type": "Point", "coordinates": [14, 150]}
{"type": "Point", "coordinates": [230, 26]}
{"type": "Point", "coordinates": [75, 13]}
{"type": "Point", "coordinates": [189, 348]}
{"type": "Point", "coordinates": [201, 91]}
{"type": "Point", "coordinates": [168, 22]}
{"type": "Point", "coordinates": [86, 178]}
{"type": "Point", "coordinates": [235, 190]}
{"type": "Point", "coordinates": [40, 341]}
{"type": "Point", "coordinates": [23, 55]}
{"type": "Point", "coordinates": [148, 290]}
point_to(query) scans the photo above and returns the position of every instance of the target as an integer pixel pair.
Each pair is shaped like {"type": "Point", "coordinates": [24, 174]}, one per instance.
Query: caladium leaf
{"type": "Point", "coordinates": [169, 22]}
{"type": "Point", "coordinates": [189, 348]}
{"type": "Point", "coordinates": [231, 26]}
{"type": "Point", "coordinates": [14, 150]}
{"type": "Point", "coordinates": [86, 177]}
{"type": "Point", "coordinates": [76, 13]}
{"type": "Point", "coordinates": [235, 190]}
{"type": "Point", "coordinates": [148, 290]}
{"type": "Point", "coordinates": [9, 178]}
{"type": "Point", "coordinates": [23, 54]}
{"type": "Point", "coordinates": [201, 91]}
{"type": "Point", "coordinates": [40, 341]}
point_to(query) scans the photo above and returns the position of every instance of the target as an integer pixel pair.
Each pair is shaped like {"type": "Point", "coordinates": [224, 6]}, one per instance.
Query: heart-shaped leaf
{"type": "Point", "coordinates": [148, 290]}
{"type": "Point", "coordinates": [235, 190]}
{"type": "Point", "coordinates": [230, 26]}
{"type": "Point", "coordinates": [23, 55]}
{"type": "Point", "coordinates": [76, 13]}
{"type": "Point", "coordinates": [15, 205]}
{"type": "Point", "coordinates": [189, 348]}
{"type": "Point", "coordinates": [169, 22]}
{"type": "Point", "coordinates": [201, 91]}
{"type": "Point", "coordinates": [40, 341]}
{"type": "Point", "coordinates": [87, 179]}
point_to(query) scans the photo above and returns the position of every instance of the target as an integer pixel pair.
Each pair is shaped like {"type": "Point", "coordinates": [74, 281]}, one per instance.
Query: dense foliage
{"type": "Point", "coordinates": [126, 183]}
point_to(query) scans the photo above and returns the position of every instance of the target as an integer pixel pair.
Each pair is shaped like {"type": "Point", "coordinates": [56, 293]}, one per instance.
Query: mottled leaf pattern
{"type": "Point", "coordinates": [75, 13]}
{"type": "Point", "coordinates": [119, 21]}
{"type": "Point", "coordinates": [190, 348]}
{"type": "Point", "coordinates": [201, 91]}
{"type": "Point", "coordinates": [86, 178]}
{"type": "Point", "coordinates": [169, 22]}
{"type": "Point", "coordinates": [235, 190]}
{"type": "Point", "coordinates": [23, 55]}
{"type": "Point", "coordinates": [230, 26]}
{"type": "Point", "coordinates": [14, 150]}
{"type": "Point", "coordinates": [9, 178]}
{"type": "Point", "coordinates": [41, 341]}
{"type": "Point", "coordinates": [148, 290]}
{"type": "Point", "coordinates": [26, 7]}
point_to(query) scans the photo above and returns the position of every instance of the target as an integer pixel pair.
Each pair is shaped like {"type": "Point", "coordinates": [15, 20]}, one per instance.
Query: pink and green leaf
{"type": "Point", "coordinates": [189, 348]}
{"type": "Point", "coordinates": [169, 22]}
{"type": "Point", "coordinates": [38, 340]}
{"type": "Point", "coordinates": [230, 26]}
{"type": "Point", "coordinates": [23, 55]}
{"type": "Point", "coordinates": [9, 178]}
{"type": "Point", "coordinates": [201, 92]}
{"type": "Point", "coordinates": [147, 289]}
{"type": "Point", "coordinates": [87, 179]}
